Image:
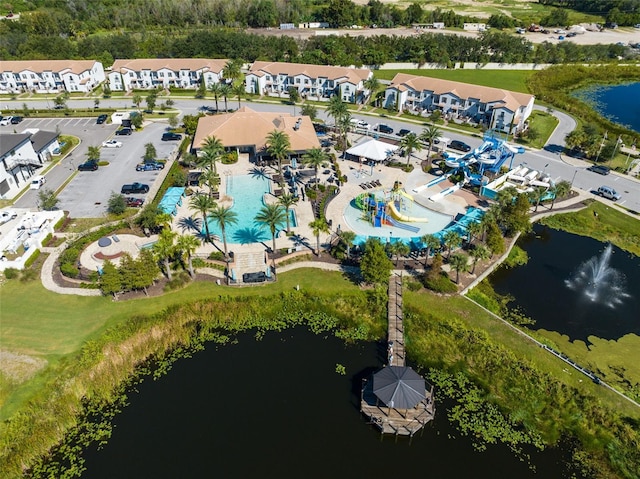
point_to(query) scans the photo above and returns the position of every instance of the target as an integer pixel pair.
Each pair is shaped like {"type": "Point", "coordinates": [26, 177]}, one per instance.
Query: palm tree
{"type": "Point", "coordinates": [344, 123]}
{"type": "Point", "coordinates": [319, 226]}
{"type": "Point", "coordinates": [348, 237]}
{"type": "Point", "coordinates": [451, 240]}
{"type": "Point", "coordinates": [164, 249]}
{"type": "Point", "coordinates": [432, 243]}
{"type": "Point", "coordinates": [211, 150]}
{"type": "Point", "coordinates": [231, 70]}
{"type": "Point", "coordinates": [93, 153]}
{"type": "Point", "coordinates": [372, 84]}
{"type": "Point", "coordinates": [225, 91]}
{"type": "Point", "coordinates": [187, 245]}
{"type": "Point", "coordinates": [137, 100]}
{"type": "Point", "coordinates": [560, 190]}
{"type": "Point", "coordinates": [223, 215]}
{"type": "Point", "coordinates": [215, 90]}
{"type": "Point", "coordinates": [271, 215]}
{"type": "Point", "coordinates": [287, 200]}
{"type": "Point", "coordinates": [399, 248]}
{"type": "Point", "coordinates": [458, 262]}
{"type": "Point", "coordinates": [315, 157]}
{"type": "Point", "coordinates": [410, 143]}
{"type": "Point", "coordinates": [430, 134]}
{"type": "Point", "coordinates": [310, 110]}
{"type": "Point", "coordinates": [211, 180]}
{"type": "Point", "coordinates": [238, 90]}
{"type": "Point", "coordinates": [203, 204]}
{"type": "Point", "coordinates": [278, 146]}
{"type": "Point", "coordinates": [336, 108]}
{"type": "Point", "coordinates": [536, 196]}
{"type": "Point", "coordinates": [479, 253]}
{"type": "Point", "coordinates": [474, 230]}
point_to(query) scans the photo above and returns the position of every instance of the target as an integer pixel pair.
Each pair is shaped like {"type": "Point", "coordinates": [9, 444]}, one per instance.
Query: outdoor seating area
{"type": "Point", "coordinates": [371, 184]}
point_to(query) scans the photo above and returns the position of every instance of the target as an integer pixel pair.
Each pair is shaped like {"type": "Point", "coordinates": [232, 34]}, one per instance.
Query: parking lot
{"type": "Point", "coordinates": [87, 194]}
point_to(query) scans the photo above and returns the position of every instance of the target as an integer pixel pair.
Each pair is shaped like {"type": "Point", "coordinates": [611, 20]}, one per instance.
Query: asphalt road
{"type": "Point", "coordinates": [547, 159]}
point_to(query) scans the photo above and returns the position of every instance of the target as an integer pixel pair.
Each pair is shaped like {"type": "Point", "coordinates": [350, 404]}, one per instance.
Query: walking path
{"type": "Point", "coordinates": [395, 327]}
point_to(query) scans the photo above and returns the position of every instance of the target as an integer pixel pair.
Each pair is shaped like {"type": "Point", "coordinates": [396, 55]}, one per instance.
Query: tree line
{"type": "Point", "coordinates": [622, 12]}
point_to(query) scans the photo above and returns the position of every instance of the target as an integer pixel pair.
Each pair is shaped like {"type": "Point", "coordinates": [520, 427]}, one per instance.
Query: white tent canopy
{"type": "Point", "coordinates": [373, 149]}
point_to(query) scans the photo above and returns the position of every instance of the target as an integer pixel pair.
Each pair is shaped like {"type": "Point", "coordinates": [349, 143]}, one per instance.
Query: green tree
{"type": "Point", "coordinates": [375, 265]}
{"type": "Point", "coordinates": [314, 158]}
{"type": "Point", "coordinates": [344, 123]}
{"type": "Point", "coordinates": [148, 217]}
{"type": "Point", "coordinates": [429, 135]}
{"type": "Point", "coordinates": [232, 71]}
{"type": "Point", "coordinates": [536, 196]}
{"type": "Point", "coordinates": [151, 100]}
{"type": "Point", "coordinates": [451, 240]}
{"type": "Point", "coordinates": [560, 190]}
{"type": "Point", "coordinates": [147, 270]}
{"type": "Point", "coordinates": [348, 237]}
{"type": "Point", "coordinates": [279, 147]}
{"type": "Point", "coordinates": [93, 153]}
{"type": "Point", "coordinates": [287, 200]}
{"type": "Point", "coordinates": [337, 109]}
{"type": "Point", "coordinates": [150, 152]}
{"type": "Point", "coordinates": [431, 243]}
{"type": "Point", "coordinates": [224, 216]}
{"type": "Point", "coordinates": [61, 101]}
{"type": "Point", "coordinates": [310, 110]}
{"type": "Point", "coordinates": [211, 151]}
{"type": "Point", "coordinates": [137, 100]}
{"type": "Point", "coordinates": [318, 226]}
{"type": "Point", "coordinates": [106, 91]}
{"type": "Point", "coordinates": [187, 246]}
{"type": "Point", "coordinates": [116, 204]}
{"type": "Point", "coordinates": [372, 84]}
{"type": "Point", "coordinates": [225, 92]}
{"type": "Point", "coordinates": [410, 143]}
{"type": "Point", "coordinates": [458, 263]}
{"type": "Point", "coordinates": [398, 248]}
{"type": "Point", "coordinates": [294, 95]}
{"type": "Point", "coordinates": [479, 253]}
{"type": "Point", "coordinates": [165, 249]}
{"type": "Point", "coordinates": [110, 280]}
{"type": "Point", "coordinates": [237, 88]}
{"type": "Point", "coordinates": [201, 91]}
{"type": "Point", "coordinates": [47, 200]}
{"type": "Point", "coordinates": [128, 273]}
{"type": "Point", "coordinates": [272, 216]}
{"type": "Point", "coordinates": [173, 122]}
{"type": "Point", "coordinates": [495, 241]}
{"type": "Point", "coordinates": [190, 123]}
{"type": "Point", "coordinates": [216, 90]}
{"type": "Point", "coordinates": [203, 204]}
{"type": "Point", "coordinates": [474, 230]}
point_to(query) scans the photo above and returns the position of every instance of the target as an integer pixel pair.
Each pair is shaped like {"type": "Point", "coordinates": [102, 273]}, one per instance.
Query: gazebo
{"type": "Point", "coordinates": [372, 149]}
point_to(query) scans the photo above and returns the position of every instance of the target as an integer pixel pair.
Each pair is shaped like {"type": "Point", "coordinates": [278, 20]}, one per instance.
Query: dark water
{"type": "Point", "coordinates": [540, 290]}
{"type": "Point", "coordinates": [276, 408]}
{"type": "Point", "coordinates": [619, 103]}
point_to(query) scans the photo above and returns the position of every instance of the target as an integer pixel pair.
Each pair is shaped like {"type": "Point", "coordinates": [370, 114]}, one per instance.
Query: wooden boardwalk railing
{"type": "Point", "coordinates": [395, 335]}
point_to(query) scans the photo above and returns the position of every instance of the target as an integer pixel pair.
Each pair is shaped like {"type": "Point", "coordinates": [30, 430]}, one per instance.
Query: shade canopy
{"type": "Point", "coordinates": [399, 387]}
{"type": "Point", "coordinates": [373, 149]}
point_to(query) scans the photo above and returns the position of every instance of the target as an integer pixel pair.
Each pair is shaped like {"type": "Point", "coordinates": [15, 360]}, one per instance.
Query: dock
{"type": "Point", "coordinates": [400, 384]}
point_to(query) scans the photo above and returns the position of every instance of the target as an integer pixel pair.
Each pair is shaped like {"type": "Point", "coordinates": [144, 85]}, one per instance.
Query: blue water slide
{"type": "Point", "coordinates": [392, 221]}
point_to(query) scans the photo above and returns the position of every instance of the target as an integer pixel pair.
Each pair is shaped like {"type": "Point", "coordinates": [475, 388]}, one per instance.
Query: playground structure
{"type": "Point", "coordinates": [488, 157]}
{"type": "Point", "coordinates": [388, 207]}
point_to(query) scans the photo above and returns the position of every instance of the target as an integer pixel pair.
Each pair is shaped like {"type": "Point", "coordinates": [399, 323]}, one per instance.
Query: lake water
{"type": "Point", "coordinates": [540, 288]}
{"type": "Point", "coordinates": [277, 408]}
{"type": "Point", "coordinates": [619, 103]}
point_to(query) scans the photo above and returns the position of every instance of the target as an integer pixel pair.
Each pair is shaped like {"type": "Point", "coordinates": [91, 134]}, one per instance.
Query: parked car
{"type": "Point", "coordinates": [134, 188]}
{"type": "Point", "coordinates": [124, 131]}
{"type": "Point", "coordinates": [15, 120]}
{"type": "Point", "coordinates": [101, 119]}
{"type": "Point", "coordinates": [170, 136]}
{"type": "Point", "coordinates": [404, 132]}
{"type": "Point", "coordinates": [6, 120]}
{"type": "Point", "coordinates": [133, 202]}
{"type": "Point", "coordinates": [91, 165]}
{"type": "Point", "coordinates": [459, 145]}
{"type": "Point", "coordinates": [149, 166]}
{"type": "Point", "coordinates": [37, 182]}
{"type": "Point", "coordinates": [382, 128]}
{"type": "Point", "coordinates": [600, 169]}
{"type": "Point", "coordinates": [112, 144]}
{"type": "Point", "coordinates": [360, 124]}
{"type": "Point", "coordinates": [609, 193]}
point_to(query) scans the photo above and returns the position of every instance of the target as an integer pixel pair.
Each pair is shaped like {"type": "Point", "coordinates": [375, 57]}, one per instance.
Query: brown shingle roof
{"type": "Point", "coordinates": [353, 75]}
{"type": "Point", "coordinates": [248, 127]}
{"type": "Point", "coordinates": [512, 100]}
{"type": "Point", "coordinates": [39, 66]}
{"type": "Point", "coordinates": [174, 64]}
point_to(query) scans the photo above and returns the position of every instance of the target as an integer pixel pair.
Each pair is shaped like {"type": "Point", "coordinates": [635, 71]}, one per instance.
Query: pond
{"type": "Point", "coordinates": [619, 103]}
{"type": "Point", "coordinates": [572, 286]}
{"type": "Point", "coordinates": [277, 408]}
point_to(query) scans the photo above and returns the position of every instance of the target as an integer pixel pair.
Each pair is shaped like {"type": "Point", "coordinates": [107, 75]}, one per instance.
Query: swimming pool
{"type": "Point", "coordinates": [247, 192]}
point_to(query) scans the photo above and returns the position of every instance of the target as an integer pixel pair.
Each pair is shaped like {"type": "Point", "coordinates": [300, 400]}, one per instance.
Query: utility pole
{"type": "Point", "coordinates": [601, 146]}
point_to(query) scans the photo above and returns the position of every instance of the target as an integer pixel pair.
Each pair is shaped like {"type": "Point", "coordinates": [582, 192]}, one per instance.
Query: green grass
{"type": "Point", "coordinates": [513, 80]}
{"type": "Point", "coordinates": [544, 123]}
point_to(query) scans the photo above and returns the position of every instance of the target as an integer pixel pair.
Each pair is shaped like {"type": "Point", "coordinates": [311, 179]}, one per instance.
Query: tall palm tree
{"type": "Point", "coordinates": [432, 243]}
{"type": "Point", "coordinates": [225, 92]}
{"type": "Point", "coordinates": [187, 246]}
{"type": "Point", "coordinates": [479, 253]}
{"type": "Point", "coordinates": [451, 240]}
{"type": "Point", "coordinates": [211, 180]}
{"type": "Point", "coordinates": [238, 90]}
{"type": "Point", "coordinates": [372, 84]}
{"type": "Point", "coordinates": [560, 190]}
{"type": "Point", "coordinates": [348, 237]}
{"type": "Point", "coordinates": [410, 143]}
{"type": "Point", "coordinates": [336, 108]}
{"type": "Point", "coordinates": [344, 123]}
{"type": "Point", "coordinates": [318, 226]}
{"type": "Point", "coordinates": [278, 146]}
{"type": "Point", "coordinates": [474, 230]}
{"type": "Point", "coordinates": [211, 150]}
{"type": "Point", "coordinates": [310, 110]}
{"type": "Point", "coordinates": [271, 215]}
{"type": "Point", "coordinates": [315, 157]}
{"type": "Point", "coordinates": [429, 135]}
{"type": "Point", "coordinates": [137, 100]}
{"type": "Point", "coordinates": [224, 216]}
{"type": "Point", "coordinates": [214, 88]}
{"type": "Point", "coordinates": [203, 204]}
{"type": "Point", "coordinates": [536, 196]}
{"type": "Point", "coordinates": [164, 249]}
{"type": "Point", "coordinates": [287, 200]}
{"type": "Point", "coordinates": [231, 71]}
{"type": "Point", "coordinates": [458, 263]}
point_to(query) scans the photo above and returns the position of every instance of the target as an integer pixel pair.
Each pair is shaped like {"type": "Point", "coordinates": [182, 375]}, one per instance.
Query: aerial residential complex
{"type": "Point", "coordinates": [499, 109]}
{"type": "Point", "coordinates": [148, 74]}
{"type": "Point", "coordinates": [50, 76]}
{"type": "Point", "coordinates": [314, 82]}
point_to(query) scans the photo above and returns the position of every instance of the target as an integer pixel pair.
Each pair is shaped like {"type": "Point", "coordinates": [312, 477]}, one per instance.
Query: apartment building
{"type": "Point", "coordinates": [153, 73]}
{"type": "Point", "coordinates": [50, 76]}
{"type": "Point", "coordinates": [314, 82]}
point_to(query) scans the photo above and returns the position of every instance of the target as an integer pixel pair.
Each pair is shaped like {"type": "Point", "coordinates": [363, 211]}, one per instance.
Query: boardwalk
{"type": "Point", "coordinates": [390, 420]}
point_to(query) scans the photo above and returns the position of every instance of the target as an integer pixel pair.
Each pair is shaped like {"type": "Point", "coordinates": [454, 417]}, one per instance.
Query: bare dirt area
{"type": "Point", "coordinates": [19, 367]}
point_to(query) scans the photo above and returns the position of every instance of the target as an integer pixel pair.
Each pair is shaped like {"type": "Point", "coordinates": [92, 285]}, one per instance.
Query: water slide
{"type": "Point", "coordinates": [396, 214]}
{"type": "Point", "coordinates": [392, 221]}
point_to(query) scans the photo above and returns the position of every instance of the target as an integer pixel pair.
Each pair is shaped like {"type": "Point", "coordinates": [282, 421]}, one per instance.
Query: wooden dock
{"type": "Point", "coordinates": [389, 420]}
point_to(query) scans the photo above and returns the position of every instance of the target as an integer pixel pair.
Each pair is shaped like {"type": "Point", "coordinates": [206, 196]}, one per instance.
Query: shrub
{"type": "Point", "coordinates": [216, 255]}
{"type": "Point", "coordinates": [28, 275]}
{"type": "Point", "coordinates": [177, 282]}
{"type": "Point", "coordinates": [32, 259]}
{"type": "Point", "coordinates": [413, 285]}
{"type": "Point", "coordinates": [69, 269]}
{"type": "Point", "coordinates": [11, 273]}
{"type": "Point", "coordinates": [441, 284]}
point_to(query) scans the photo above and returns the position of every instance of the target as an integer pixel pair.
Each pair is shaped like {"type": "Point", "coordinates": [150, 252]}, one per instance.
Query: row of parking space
{"type": "Point", "coordinates": [61, 123]}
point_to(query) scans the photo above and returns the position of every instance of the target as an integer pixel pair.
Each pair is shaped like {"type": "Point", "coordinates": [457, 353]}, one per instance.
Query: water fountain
{"type": "Point", "coordinates": [598, 281]}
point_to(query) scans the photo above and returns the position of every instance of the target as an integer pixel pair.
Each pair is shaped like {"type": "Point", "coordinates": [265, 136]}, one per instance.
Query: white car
{"type": "Point", "coordinates": [360, 124]}
{"type": "Point", "coordinates": [112, 144]}
{"type": "Point", "coordinates": [6, 120]}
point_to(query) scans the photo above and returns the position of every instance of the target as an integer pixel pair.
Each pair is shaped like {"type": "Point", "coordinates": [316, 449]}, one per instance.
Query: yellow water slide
{"type": "Point", "coordinates": [399, 216]}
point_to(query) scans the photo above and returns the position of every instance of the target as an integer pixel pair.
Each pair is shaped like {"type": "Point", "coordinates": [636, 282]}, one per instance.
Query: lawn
{"type": "Point", "coordinates": [544, 124]}
{"type": "Point", "coordinates": [513, 80]}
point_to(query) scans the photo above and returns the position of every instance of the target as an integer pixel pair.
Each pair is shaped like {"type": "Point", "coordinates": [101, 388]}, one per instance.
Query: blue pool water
{"type": "Point", "coordinates": [247, 192]}
{"type": "Point", "coordinates": [619, 103]}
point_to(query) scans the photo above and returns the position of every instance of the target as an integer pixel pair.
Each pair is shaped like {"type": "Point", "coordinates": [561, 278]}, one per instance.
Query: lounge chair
{"type": "Point", "coordinates": [362, 185]}
{"type": "Point", "coordinates": [377, 182]}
